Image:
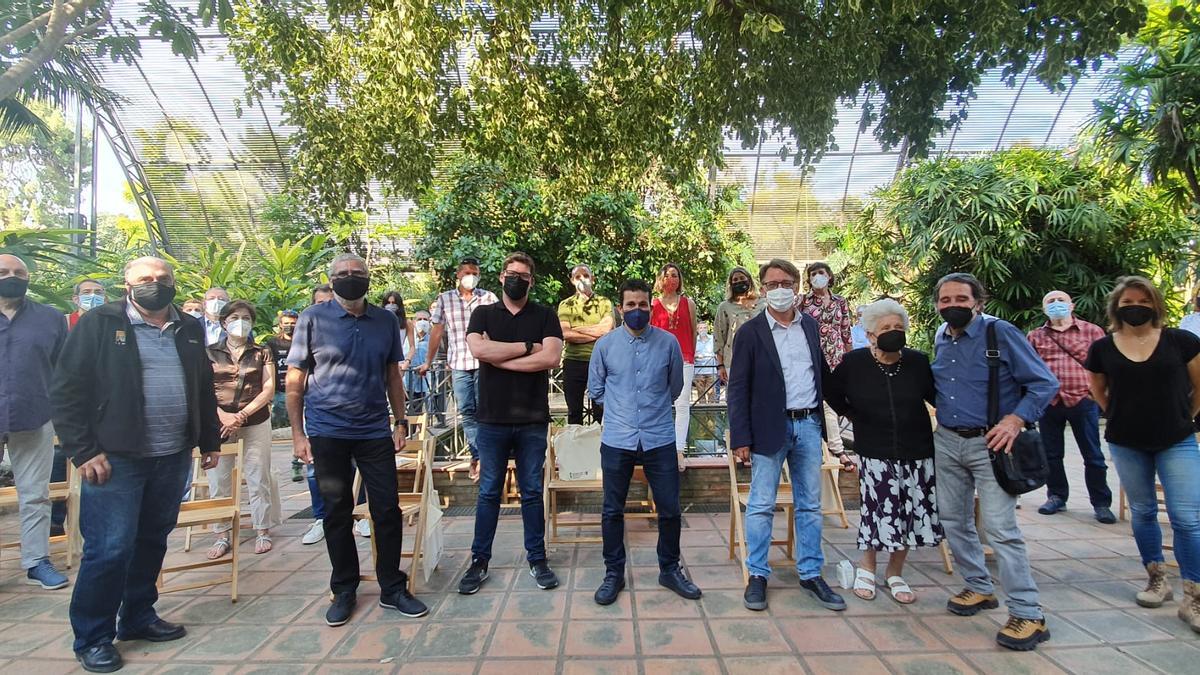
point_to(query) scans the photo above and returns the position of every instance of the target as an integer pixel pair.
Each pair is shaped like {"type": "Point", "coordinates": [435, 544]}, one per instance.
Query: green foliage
{"type": "Point", "coordinates": [608, 97]}
{"type": "Point", "coordinates": [1150, 122]}
{"type": "Point", "coordinates": [49, 254]}
{"type": "Point", "coordinates": [36, 172]}
{"type": "Point", "coordinates": [483, 211]}
{"type": "Point", "coordinates": [1024, 222]}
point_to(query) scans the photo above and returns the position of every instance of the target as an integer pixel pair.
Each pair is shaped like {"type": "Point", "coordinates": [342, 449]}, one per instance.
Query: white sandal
{"type": "Point", "coordinates": [864, 581]}
{"type": "Point", "coordinates": [896, 586]}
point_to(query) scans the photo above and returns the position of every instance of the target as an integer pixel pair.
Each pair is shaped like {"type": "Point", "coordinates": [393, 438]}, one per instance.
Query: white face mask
{"type": "Point", "coordinates": [239, 328]}
{"type": "Point", "coordinates": [781, 299]}
{"type": "Point", "coordinates": [214, 306]}
{"type": "Point", "coordinates": [422, 326]}
{"type": "Point", "coordinates": [583, 284]}
{"type": "Point", "coordinates": [819, 281]}
{"type": "Point", "coordinates": [195, 313]}
{"type": "Point", "coordinates": [469, 281]}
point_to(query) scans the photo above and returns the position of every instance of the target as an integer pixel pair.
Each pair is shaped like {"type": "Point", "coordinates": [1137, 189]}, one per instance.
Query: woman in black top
{"type": "Point", "coordinates": [883, 389]}
{"type": "Point", "coordinates": [1147, 380]}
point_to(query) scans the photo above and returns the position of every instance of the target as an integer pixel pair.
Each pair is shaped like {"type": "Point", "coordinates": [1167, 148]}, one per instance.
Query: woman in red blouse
{"type": "Point", "coordinates": [675, 313]}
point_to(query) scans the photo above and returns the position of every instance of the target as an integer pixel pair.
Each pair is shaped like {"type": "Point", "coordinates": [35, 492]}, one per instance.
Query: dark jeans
{"type": "Point", "coordinates": [335, 477]}
{"type": "Point", "coordinates": [527, 445]}
{"type": "Point", "coordinates": [575, 379]}
{"type": "Point", "coordinates": [124, 523]}
{"type": "Point", "coordinates": [58, 474]}
{"type": "Point", "coordinates": [1085, 424]}
{"type": "Point", "coordinates": [662, 472]}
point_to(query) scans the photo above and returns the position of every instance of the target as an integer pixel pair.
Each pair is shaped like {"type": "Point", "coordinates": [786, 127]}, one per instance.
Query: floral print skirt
{"type": "Point", "coordinates": [899, 505]}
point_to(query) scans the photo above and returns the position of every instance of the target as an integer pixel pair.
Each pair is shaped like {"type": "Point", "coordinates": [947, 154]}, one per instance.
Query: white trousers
{"type": "Point", "coordinates": [683, 407]}
{"type": "Point", "coordinates": [833, 430]}
{"type": "Point", "coordinates": [32, 456]}
{"type": "Point", "coordinates": [261, 486]}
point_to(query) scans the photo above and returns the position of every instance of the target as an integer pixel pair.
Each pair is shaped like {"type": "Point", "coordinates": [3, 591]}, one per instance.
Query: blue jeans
{"type": "Point", "coordinates": [803, 455]}
{"type": "Point", "coordinates": [1178, 469]}
{"type": "Point", "coordinates": [662, 473]}
{"type": "Point", "coordinates": [124, 523]}
{"type": "Point", "coordinates": [318, 504]}
{"type": "Point", "coordinates": [279, 413]}
{"type": "Point", "coordinates": [58, 474]}
{"type": "Point", "coordinates": [466, 396]}
{"type": "Point", "coordinates": [1084, 418]}
{"type": "Point", "coordinates": [526, 443]}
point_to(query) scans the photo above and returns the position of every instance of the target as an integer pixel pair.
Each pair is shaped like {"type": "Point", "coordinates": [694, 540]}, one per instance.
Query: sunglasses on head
{"type": "Point", "coordinates": [469, 261]}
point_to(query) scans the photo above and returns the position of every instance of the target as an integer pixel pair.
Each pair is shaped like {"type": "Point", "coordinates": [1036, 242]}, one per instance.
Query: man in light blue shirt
{"type": "Point", "coordinates": [965, 438]}
{"type": "Point", "coordinates": [636, 372]}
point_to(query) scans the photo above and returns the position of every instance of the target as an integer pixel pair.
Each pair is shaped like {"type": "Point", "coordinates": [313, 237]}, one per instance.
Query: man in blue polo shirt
{"type": "Point", "coordinates": [343, 369]}
{"type": "Point", "coordinates": [962, 443]}
{"type": "Point", "coordinates": [637, 370]}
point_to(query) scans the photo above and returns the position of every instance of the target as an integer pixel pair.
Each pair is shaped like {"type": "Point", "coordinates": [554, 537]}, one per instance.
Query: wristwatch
{"type": "Point", "coordinates": [528, 347]}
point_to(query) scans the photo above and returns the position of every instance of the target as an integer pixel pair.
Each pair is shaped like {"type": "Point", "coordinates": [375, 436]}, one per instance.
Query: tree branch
{"type": "Point", "coordinates": [26, 29]}
{"type": "Point", "coordinates": [61, 15]}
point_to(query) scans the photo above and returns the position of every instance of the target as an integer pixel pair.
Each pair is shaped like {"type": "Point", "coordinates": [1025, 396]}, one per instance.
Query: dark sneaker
{"type": "Point", "coordinates": [823, 594]}
{"type": "Point", "coordinates": [100, 659]}
{"type": "Point", "coordinates": [341, 609]}
{"type": "Point", "coordinates": [970, 603]}
{"type": "Point", "coordinates": [543, 575]}
{"type": "Point", "coordinates": [474, 578]}
{"type": "Point", "coordinates": [404, 602]}
{"type": "Point", "coordinates": [45, 575]}
{"type": "Point", "coordinates": [755, 597]}
{"type": "Point", "coordinates": [609, 589]}
{"type": "Point", "coordinates": [155, 631]}
{"type": "Point", "coordinates": [1023, 634]}
{"type": "Point", "coordinates": [676, 581]}
{"type": "Point", "coordinates": [1052, 506]}
{"type": "Point", "coordinates": [297, 471]}
{"type": "Point", "coordinates": [1105, 515]}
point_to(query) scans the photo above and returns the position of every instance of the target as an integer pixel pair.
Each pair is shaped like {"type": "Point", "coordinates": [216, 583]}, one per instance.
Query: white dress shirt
{"type": "Point", "coordinates": [799, 380]}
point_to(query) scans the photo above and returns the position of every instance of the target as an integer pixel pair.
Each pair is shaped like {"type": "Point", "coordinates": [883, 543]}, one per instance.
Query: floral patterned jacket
{"type": "Point", "coordinates": [834, 320]}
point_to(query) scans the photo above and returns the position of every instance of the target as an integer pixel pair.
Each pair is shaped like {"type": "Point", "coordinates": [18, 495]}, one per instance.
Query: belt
{"type": "Point", "coordinates": [969, 432]}
{"type": "Point", "coordinates": [802, 414]}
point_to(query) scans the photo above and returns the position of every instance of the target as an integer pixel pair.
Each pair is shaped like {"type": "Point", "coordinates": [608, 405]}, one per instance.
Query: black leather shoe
{"type": "Point", "coordinates": [341, 609]}
{"type": "Point", "coordinates": [823, 594]}
{"type": "Point", "coordinates": [609, 589]}
{"type": "Point", "coordinates": [1105, 515]}
{"type": "Point", "coordinates": [100, 659]}
{"type": "Point", "coordinates": [676, 581]}
{"type": "Point", "coordinates": [1052, 506]}
{"type": "Point", "coordinates": [155, 631]}
{"type": "Point", "coordinates": [755, 597]}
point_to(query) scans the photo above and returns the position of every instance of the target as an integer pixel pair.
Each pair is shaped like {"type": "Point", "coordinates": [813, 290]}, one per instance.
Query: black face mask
{"type": "Point", "coordinates": [351, 288]}
{"type": "Point", "coordinates": [288, 330]}
{"type": "Point", "coordinates": [740, 287]}
{"type": "Point", "coordinates": [1135, 315]}
{"type": "Point", "coordinates": [958, 317]}
{"type": "Point", "coordinates": [152, 295]}
{"type": "Point", "coordinates": [515, 288]}
{"type": "Point", "coordinates": [891, 341]}
{"type": "Point", "coordinates": [13, 287]}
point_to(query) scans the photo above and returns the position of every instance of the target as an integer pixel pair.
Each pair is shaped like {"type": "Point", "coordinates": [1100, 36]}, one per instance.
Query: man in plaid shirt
{"type": "Point", "coordinates": [452, 312]}
{"type": "Point", "coordinates": [1063, 344]}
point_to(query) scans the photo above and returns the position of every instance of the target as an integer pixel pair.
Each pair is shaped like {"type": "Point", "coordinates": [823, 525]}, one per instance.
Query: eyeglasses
{"type": "Point", "coordinates": [289, 312]}
{"type": "Point", "coordinates": [772, 285]}
{"type": "Point", "coordinates": [469, 261]}
{"type": "Point", "coordinates": [524, 276]}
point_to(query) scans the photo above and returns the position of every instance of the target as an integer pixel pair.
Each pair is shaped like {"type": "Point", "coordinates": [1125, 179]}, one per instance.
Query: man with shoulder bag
{"type": "Point", "coordinates": [974, 427]}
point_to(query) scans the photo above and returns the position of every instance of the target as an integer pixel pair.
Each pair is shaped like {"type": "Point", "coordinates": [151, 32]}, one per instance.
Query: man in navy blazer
{"type": "Point", "coordinates": [775, 414]}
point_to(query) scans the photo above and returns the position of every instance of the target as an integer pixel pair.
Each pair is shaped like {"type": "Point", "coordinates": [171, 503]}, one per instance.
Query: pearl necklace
{"type": "Point", "coordinates": [884, 369]}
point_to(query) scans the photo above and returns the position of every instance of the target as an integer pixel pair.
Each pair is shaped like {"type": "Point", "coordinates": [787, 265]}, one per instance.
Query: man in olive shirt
{"type": "Point", "coordinates": [517, 342]}
{"type": "Point", "coordinates": [585, 317]}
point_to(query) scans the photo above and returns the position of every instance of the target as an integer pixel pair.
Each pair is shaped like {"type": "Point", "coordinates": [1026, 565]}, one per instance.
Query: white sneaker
{"type": "Point", "coordinates": [363, 528]}
{"type": "Point", "coordinates": [316, 532]}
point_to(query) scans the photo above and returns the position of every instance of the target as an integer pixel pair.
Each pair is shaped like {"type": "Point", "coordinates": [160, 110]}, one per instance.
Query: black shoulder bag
{"type": "Point", "coordinates": [1025, 468]}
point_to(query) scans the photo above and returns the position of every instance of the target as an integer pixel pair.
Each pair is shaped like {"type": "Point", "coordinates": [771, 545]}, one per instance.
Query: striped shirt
{"type": "Point", "coordinates": [456, 314]}
{"type": "Point", "coordinates": [164, 386]}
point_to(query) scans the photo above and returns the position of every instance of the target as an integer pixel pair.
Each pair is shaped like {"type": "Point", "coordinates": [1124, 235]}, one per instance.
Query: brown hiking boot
{"type": "Point", "coordinates": [1157, 590]}
{"type": "Point", "coordinates": [970, 603]}
{"type": "Point", "coordinates": [1189, 607]}
{"type": "Point", "coordinates": [1023, 634]}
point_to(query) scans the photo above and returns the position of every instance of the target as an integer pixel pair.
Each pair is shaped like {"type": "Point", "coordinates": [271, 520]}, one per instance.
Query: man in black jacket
{"type": "Point", "coordinates": [133, 394]}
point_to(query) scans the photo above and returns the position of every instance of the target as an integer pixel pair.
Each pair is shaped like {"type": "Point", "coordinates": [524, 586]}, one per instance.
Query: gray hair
{"type": "Point", "coordinates": [343, 257]}
{"type": "Point", "coordinates": [147, 260]}
{"type": "Point", "coordinates": [978, 292]}
{"type": "Point", "coordinates": [875, 312]}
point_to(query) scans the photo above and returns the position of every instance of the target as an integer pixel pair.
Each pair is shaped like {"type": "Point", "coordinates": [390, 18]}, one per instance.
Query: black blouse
{"type": "Point", "coordinates": [888, 411]}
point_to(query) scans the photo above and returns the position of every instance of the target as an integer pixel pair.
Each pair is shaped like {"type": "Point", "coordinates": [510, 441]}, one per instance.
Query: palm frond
{"type": "Point", "coordinates": [16, 117]}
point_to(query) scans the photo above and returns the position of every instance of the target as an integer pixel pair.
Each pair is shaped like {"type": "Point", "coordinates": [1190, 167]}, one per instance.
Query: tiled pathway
{"type": "Point", "coordinates": [1088, 575]}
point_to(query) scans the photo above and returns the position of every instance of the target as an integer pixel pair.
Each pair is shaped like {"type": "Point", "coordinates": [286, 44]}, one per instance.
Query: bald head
{"type": "Point", "coordinates": [12, 266]}
{"type": "Point", "coordinates": [1055, 295]}
{"type": "Point", "coordinates": [148, 268]}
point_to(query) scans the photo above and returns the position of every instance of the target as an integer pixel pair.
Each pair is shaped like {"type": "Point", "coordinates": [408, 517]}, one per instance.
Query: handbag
{"type": "Point", "coordinates": [1025, 468]}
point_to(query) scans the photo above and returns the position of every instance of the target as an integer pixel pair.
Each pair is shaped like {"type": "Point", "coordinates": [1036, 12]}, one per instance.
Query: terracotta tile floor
{"type": "Point", "coordinates": [1088, 575]}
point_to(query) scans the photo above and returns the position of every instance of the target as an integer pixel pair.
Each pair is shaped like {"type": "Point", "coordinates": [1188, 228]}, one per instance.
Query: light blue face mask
{"type": "Point", "coordinates": [1058, 310]}
{"type": "Point", "coordinates": [90, 302]}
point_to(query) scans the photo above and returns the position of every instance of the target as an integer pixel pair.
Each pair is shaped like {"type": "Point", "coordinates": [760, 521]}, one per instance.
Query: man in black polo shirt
{"type": "Point", "coordinates": [516, 342]}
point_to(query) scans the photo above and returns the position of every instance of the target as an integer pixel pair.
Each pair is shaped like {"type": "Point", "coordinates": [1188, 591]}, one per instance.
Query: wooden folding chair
{"type": "Point", "coordinates": [59, 492]}
{"type": "Point", "coordinates": [210, 511]}
{"type": "Point", "coordinates": [831, 468]}
{"type": "Point", "coordinates": [413, 506]}
{"type": "Point", "coordinates": [739, 497]}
